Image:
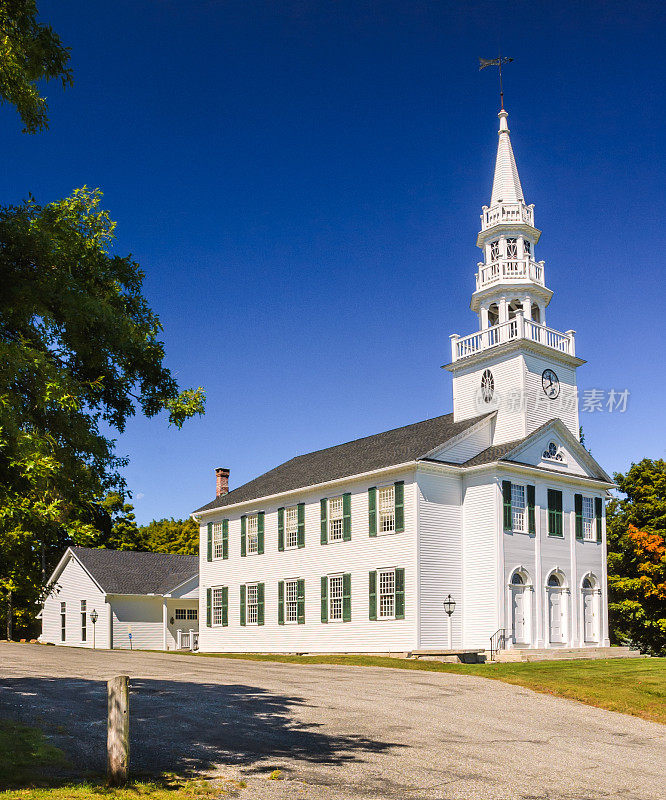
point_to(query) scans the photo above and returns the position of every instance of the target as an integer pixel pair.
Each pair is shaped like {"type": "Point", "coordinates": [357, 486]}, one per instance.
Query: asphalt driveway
{"type": "Point", "coordinates": [334, 731]}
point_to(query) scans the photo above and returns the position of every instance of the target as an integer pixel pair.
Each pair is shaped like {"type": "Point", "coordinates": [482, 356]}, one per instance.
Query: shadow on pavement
{"type": "Point", "coordinates": [178, 726]}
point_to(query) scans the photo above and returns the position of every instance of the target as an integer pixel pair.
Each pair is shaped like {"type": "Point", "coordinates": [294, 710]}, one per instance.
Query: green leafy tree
{"type": "Point", "coordinates": [29, 52]}
{"type": "Point", "coordinates": [79, 355]}
{"type": "Point", "coordinates": [171, 536]}
{"type": "Point", "coordinates": [636, 527]}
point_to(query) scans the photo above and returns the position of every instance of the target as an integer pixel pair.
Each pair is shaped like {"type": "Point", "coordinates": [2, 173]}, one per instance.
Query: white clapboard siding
{"type": "Point", "coordinates": [468, 446]}
{"type": "Point", "coordinates": [73, 585]}
{"type": "Point", "coordinates": [440, 556]}
{"type": "Point", "coordinates": [538, 409]}
{"type": "Point", "coordinates": [480, 560]}
{"type": "Point", "coordinates": [144, 615]}
{"type": "Point", "coordinates": [358, 557]}
{"type": "Point", "coordinates": [508, 374]}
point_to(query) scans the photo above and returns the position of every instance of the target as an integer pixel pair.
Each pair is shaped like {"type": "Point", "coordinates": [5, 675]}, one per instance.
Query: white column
{"type": "Point", "coordinates": [527, 307]}
{"type": "Point", "coordinates": [454, 346]}
{"type": "Point", "coordinates": [503, 310]}
{"type": "Point", "coordinates": [165, 622]}
{"type": "Point", "coordinates": [484, 318]}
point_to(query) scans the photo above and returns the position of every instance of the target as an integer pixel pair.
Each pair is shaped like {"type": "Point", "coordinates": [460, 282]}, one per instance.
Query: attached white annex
{"type": "Point", "coordinates": [119, 599]}
{"type": "Point", "coordinates": [498, 505]}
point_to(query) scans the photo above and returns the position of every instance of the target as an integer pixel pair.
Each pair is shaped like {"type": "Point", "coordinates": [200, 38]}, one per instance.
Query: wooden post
{"type": "Point", "coordinates": [117, 740]}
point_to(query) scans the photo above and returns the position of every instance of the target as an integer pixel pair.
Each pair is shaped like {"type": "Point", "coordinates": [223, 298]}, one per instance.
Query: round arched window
{"type": "Point", "coordinates": [487, 386]}
{"type": "Point", "coordinates": [554, 580]}
{"type": "Point", "coordinates": [587, 583]}
{"type": "Point", "coordinates": [517, 579]}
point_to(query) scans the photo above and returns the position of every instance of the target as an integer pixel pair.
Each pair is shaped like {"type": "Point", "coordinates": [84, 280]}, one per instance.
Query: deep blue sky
{"type": "Point", "coordinates": [301, 182]}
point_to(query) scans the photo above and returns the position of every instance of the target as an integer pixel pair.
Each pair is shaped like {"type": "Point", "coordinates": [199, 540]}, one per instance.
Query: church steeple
{"type": "Point", "coordinates": [506, 183]}
{"type": "Point", "coordinates": [513, 352]}
{"type": "Point", "coordinates": [509, 280]}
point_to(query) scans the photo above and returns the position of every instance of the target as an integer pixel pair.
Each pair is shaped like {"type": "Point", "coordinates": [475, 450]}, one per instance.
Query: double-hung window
{"type": "Point", "coordinates": [518, 507]}
{"type": "Point", "coordinates": [589, 534]}
{"type": "Point", "coordinates": [291, 526]}
{"type": "Point", "coordinates": [218, 541]}
{"type": "Point", "coordinates": [386, 580]}
{"type": "Point", "coordinates": [512, 248]}
{"type": "Point", "coordinates": [252, 604]}
{"type": "Point", "coordinates": [217, 598]}
{"type": "Point", "coordinates": [84, 621]}
{"type": "Point", "coordinates": [291, 601]}
{"type": "Point", "coordinates": [335, 598]}
{"type": "Point", "coordinates": [63, 621]}
{"type": "Point", "coordinates": [386, 503]}
{"type": "Point", "coordinates": [335, 519]}
{"type": "Point", "coordinates": [253, 533]}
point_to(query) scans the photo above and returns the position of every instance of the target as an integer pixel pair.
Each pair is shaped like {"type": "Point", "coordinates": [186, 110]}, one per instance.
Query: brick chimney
{"type": "Point", "coordinates": [222, 481]}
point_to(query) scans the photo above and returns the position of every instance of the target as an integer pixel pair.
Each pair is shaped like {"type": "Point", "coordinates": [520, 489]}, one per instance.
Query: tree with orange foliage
{"type": "Point", "coordinates": [636, 527]}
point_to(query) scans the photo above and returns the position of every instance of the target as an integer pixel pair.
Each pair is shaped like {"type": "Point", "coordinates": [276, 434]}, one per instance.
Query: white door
{"type": "Point", "coordinates": [555, 613]}
{"type": "Point", "coordinates": [589, 617]}
{"type": "Point", "coordinates": [518, 616]}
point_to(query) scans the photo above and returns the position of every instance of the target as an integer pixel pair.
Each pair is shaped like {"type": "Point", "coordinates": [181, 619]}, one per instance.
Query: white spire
{"type": "Point", "coordinates": [506, 183]}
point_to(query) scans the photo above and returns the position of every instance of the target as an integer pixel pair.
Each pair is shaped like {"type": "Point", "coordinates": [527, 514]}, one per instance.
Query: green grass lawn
{"type": "Point", "coordinates": [631, 685]}
{"type": "Point", "coordinates": [30, 766]}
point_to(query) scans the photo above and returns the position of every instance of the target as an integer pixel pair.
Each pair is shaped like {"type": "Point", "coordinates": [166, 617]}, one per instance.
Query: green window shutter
{"type": "Point", "coordinates": [372, 511]}
{"type": "Point", "coordinates": [280, 602]}
{"type": "Point", "coordinates": [578, 506]}
{"type": "Point", "coordinates": [399, 506]}
{"type": "Point", "coordinates": [346, 597]}
{"type": "Point", "coordinates": [225, 605]}
{"type": "Point", "coordinates": [242, 605]}
{"type": "Point", "coordinates": [373, 594]}
{"type": "Point", "coordinates": [506, 502]}
{"type": "Point", "coordinates": [243, 536]}
{"type": "Point", "coordinates": [301, 524]}
{"type": "Point", "coordinates": [209, 607]}
{"type": "Point", "coordinates": [346, 516]}
{"type": "Point", "coordinates": [260, 533]}
{"type": "Point", "coordinates": [555, 513]}
{"type": "Point", "coordinates": [324, 523]}
{"type": "Point", "coordinates": [280, 529]}
{"type": "Point", "coordinates": [531, 509]}
{"type": "Point", "coordinates": [260, 604]}
{"type": "Point", "coordinates": [598, 513]}
{"type": "Point", "coordinates": [209, 556]}
{"type": "Point", "coordinates": [400, 593]}
{"type": "Point", "coordinates": [300, 597]}
{"type": "Point", "coordinates": [324, 598]}
{"type": "Point", "coordinates": [225, 538]}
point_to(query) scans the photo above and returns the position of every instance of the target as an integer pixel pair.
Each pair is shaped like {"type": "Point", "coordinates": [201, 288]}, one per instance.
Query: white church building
{"type": "Point", "coordinates": [496, 506]}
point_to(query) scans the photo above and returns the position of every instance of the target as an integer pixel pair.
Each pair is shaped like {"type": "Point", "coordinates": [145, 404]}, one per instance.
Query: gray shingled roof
{"type": "Point", "coordinates": [127, 572]}
{"type": "Point", "coordinates": [362, 455]}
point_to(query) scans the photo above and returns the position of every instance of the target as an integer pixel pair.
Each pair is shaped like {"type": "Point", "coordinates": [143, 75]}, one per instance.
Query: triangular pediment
{"type": "Point", "coordinates": [467, 444]}
{"type": "Point", "coordinates": [553, 447]}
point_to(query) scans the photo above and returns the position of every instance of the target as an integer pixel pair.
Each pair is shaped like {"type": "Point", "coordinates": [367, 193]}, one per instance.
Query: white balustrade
{"type": "Point", "coordinates": [507, 212]}
{"type": "Point", "coordinates": [521, 269]}
{"type": "Point", "coordinates": [517, 328]}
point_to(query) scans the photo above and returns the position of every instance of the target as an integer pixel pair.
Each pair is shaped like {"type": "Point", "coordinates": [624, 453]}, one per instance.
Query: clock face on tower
{"type": "Point", "coordinates": [487, 386]}
{"type": "Point", "coordinates": [550, 383]}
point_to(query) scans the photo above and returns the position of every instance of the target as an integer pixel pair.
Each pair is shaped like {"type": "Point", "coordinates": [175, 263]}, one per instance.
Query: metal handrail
{"type": "Point", "coordinates": [497, 642]}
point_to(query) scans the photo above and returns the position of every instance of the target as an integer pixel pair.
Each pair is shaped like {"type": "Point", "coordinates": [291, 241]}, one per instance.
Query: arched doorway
{"type": "Point", "coordinates": [556, 608]}
{"type": "Point", "coordinates": [590, 604]}
{"type": "Point", "coordinates": [520, 600]}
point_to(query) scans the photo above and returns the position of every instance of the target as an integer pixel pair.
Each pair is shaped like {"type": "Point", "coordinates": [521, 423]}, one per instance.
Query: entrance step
{"type": "Point", "coordinates": [449, 656]}
{"type": "Point", "coordinates": [565, 653]}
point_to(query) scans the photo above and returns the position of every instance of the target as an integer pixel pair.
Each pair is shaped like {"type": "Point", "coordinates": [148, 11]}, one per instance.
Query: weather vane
{"type": "Point", "coordinates": [496, 62]}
